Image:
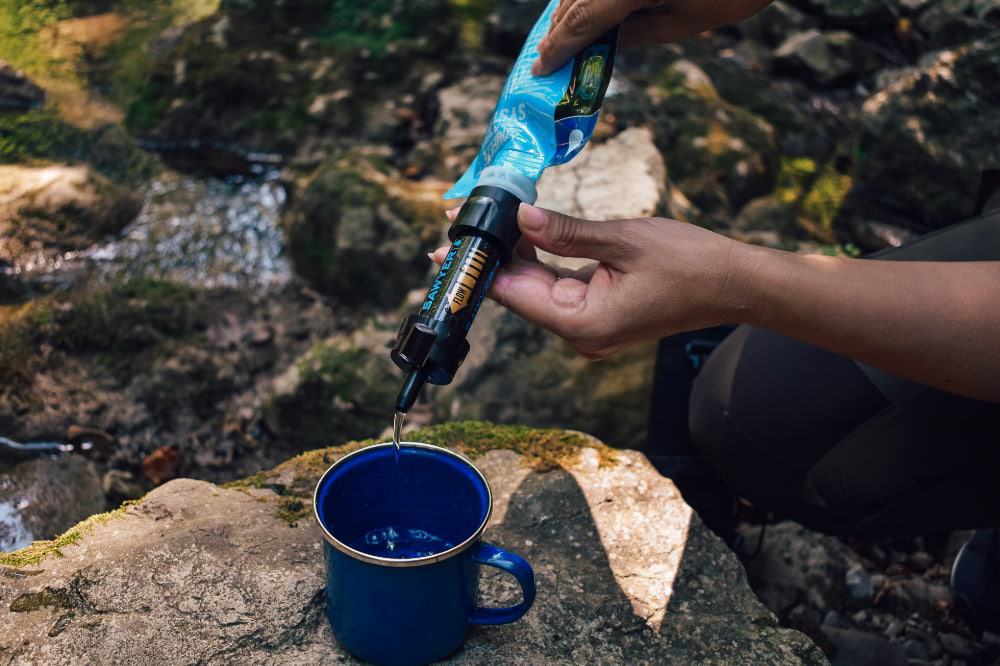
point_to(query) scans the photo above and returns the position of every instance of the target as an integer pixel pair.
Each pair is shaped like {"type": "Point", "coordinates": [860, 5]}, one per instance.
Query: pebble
{"type": "Point", "coordinates": [894, 629]}
{"type": "Point", "coordinates": [833, 619]}
{"type": "Point", "coordinates": [957, 645]}
{"type": "Point", "coordinates": [859, 584]}
{"type": "Point", "coordinates": [915, 650]}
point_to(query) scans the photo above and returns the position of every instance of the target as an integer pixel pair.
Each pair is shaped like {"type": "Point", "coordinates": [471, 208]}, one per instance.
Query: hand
{"type": "Point", "coordinates": [576, 23]}
{"type": "Point", "coordinates": [652, 277]}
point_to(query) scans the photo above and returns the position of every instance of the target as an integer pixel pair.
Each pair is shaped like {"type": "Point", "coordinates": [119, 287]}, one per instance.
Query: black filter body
{"type": "Point", "coordinates": [431, 344]}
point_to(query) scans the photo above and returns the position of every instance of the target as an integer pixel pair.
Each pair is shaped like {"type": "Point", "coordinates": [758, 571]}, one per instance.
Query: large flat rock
{"type": "Point", "coordinates": [197, 573]}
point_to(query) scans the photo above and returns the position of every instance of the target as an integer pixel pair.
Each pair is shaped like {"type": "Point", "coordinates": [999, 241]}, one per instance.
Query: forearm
{"type": "Point", "coordinates": [936, 323]}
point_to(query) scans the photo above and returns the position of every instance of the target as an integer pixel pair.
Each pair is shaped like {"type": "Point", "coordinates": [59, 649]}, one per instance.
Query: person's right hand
{"type": "Point", "coordinates": [576, 23]}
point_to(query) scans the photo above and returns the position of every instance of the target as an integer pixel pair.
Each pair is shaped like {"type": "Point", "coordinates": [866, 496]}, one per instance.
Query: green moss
{"type": "Point", "coordinates": [19, 25]}
{"type": "Point", "coordinates": [337, 231]}
{"type": "Point", "coordinates": [542, 448]}
{"type": "Point", "coordinates": [472, 17]}
{"type": "Point", "coordinates": [122, 324]}
{"type": "Point", "coordinates": [127, 317]}
{"type": "Point", "coordinates": [794, 177]}
{"type": "Point", "coordinates": [334, 388]}
{"type": "Point", "coordinates": [38, 133]}
{"type": "Point", "coordinates": [814, 192]}
{"type": "Point", "coordinates": [822, 203]}
{"type": "Point", "coordinates": [40, 550]}
{"type": "Point", "coordinates": [292, 510]}
{"type": "Point", "coordinates": [378, 26]}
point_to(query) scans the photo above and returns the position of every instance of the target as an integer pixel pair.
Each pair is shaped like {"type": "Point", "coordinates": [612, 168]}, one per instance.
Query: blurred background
{"type": "Point", "coordinates": [214, 212]}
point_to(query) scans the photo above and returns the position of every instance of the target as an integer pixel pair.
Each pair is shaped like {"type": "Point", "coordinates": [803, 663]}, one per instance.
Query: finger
{"type": "Point", "coordinates": [536, 268]}
{"type": "Point", "coordinates": [582, 274]}
{"type": "Point", "coordinates": [438, 255]}
{"type": "Point", "coordinates": [452, 213]}
{"type": "Point", "coordinates": [567, 236]}
{"type": "Point", "coordinates": [560, 12]}
{"type": "Point", "coordinates": [526, 250]}
{"type": "Point", "coordinates": [579, 25]}
{"type": "Point", "coordinates": [557, 305]}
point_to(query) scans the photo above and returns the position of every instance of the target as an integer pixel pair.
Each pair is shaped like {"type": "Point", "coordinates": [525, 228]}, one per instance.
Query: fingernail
{"type": "Point", "coordinates": [536, 68]}
{"type": "Point", "coordinates": [430, 255]}
{"type": "Point", "coordinates": [531, 218]}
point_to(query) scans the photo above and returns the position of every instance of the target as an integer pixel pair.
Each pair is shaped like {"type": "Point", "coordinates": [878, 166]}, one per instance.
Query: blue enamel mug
{"type": "Point", "coordinates": [418, 608]}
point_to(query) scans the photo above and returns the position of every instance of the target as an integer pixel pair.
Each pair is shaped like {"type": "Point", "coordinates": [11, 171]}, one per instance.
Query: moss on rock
{"type": "Point", "coordinates": [357, 238]}
{"type": "Point", "coordinates": [542, 449]}
{"type": "Point", "coordinates": [121, 322]}
{"type": "Point", "coordinates": [334, 390]}
{"type": "Point", "coordinates": [40, 550]}
{"type": "Point", "coordinates": [719, 154]}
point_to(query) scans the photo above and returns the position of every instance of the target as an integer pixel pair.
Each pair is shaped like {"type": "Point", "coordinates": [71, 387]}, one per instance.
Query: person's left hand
{"type": "Point", "coordinates": [652, 277]}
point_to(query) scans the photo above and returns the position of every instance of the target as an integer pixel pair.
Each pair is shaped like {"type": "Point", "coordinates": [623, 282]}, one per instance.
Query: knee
{"type": "Point", "coordinates": [714, 435]}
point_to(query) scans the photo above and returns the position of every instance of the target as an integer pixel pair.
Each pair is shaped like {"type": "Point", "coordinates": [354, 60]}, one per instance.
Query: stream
{"type": "Point", "coordinates": [204, 232]}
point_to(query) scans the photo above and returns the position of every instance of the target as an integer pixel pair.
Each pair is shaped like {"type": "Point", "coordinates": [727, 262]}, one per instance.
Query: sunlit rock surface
{"type": "Point", "coordinates": [626, 573]}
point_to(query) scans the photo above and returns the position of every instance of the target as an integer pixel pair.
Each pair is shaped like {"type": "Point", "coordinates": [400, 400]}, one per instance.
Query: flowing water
{"type": "Point", "coordinates": [204, 232]}
{"type": "Point", "coordinates": [397, 429]}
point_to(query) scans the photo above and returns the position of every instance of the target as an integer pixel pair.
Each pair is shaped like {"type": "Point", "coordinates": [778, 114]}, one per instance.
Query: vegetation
{"type": "Point", "coordinates": [39, 550]}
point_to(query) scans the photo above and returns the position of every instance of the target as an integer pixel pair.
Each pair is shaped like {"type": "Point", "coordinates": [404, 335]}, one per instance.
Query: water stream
{"type": "Point", "coordinates": [199, 231]}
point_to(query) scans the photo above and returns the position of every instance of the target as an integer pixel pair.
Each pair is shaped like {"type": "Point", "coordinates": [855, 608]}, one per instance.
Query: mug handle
{"type": "Point", "coordinates": [492, 556]}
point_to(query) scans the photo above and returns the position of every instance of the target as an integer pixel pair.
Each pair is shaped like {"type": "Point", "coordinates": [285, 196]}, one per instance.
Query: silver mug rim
{"type": "Point", "coordinates": [414, 561]}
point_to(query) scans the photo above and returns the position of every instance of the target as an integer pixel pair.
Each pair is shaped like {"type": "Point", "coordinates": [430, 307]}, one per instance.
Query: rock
{"type": "Point", "coordinates": [796, 565]}
{"type": "Point", "coordinates": [925, 138]}
{"type": "Point", "coordinates": [915, 649]}
{"type": "Point", "coordinates": [241, 85]}
{"type": "Point", "coordinates": [947, 22]}
{"type": "Point", "coordinates": [625, 572]}
{"type": "Point", "coordinates": [337, 390]}
{"type": "Point", "coordinates": [719, 155]}
{"type": "Point", "coordinates": [46, 211]}
{"type": "Point", "coordinates": [120, 485]}
{"type": "Point", "coordinates": [986, 10]}
{"type": "Point", "coordinates": [17, 91]}
{"type": "Point", "coordinates": [519, 372]}
{"type": "Point", "coordinates": [859, 584]}
{"type": "Point", "coordinates": [855, 12]}
{"type": "Point", "coordinates": [957, 646]}
{"type": "Point", "coordinates": [42, 497]}
{"type": "Point", "coordinates": [509, 23]}
{"type": "Point", "coordinates": [826, 57]}
{"type": "Point", "coordinates": [766, 214]}
{"type": "Point", "coordinates": [773, 25]}
{"type": "Point", "coordinates": [464, 110]}
{"type": "Point", "coordinates": [858, 647]}
{"type": "Point", "coordinates": [361, 236]}
{"type": "Point", "coordinates": [624, 177]}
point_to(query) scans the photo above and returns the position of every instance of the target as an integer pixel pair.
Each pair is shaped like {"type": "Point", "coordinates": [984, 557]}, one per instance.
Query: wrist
{"type": "Point", "coordinates": [745, 282]}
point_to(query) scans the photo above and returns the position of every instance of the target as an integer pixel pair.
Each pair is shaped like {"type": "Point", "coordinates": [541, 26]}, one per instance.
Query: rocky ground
{"type": "Point", "coordinates": [194, 193]}
{"type": "Point", "coordinates": [625, 572]}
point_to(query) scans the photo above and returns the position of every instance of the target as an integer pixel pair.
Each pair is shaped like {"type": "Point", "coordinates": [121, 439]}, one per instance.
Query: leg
{"type": "Point", "coordinates": [843, 447]}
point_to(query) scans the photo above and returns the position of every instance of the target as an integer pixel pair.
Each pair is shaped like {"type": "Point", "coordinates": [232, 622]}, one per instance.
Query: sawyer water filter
{"type": "Point", "coordinates": [539, 121]}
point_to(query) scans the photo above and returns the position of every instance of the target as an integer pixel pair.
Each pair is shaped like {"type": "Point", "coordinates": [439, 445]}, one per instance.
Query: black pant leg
{"type": "Point", "coordinates": [842, 447]}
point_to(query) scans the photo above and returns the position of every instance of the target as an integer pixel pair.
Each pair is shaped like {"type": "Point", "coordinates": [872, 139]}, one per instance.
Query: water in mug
{"type": "Point", "coordinates": [400, 543]}
{"type": "Point", "coordinates": [394, 541]}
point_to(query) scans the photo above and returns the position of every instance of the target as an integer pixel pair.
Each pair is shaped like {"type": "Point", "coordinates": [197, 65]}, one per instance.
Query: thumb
{"type": "Point", "coordinates": [567, 236]}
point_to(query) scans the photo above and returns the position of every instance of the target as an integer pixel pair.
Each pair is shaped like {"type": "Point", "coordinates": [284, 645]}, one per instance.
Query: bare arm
{"type": "Point", "coordinates": [937, 323]}
{"type": "Point", "coordinates": [932, 322]}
